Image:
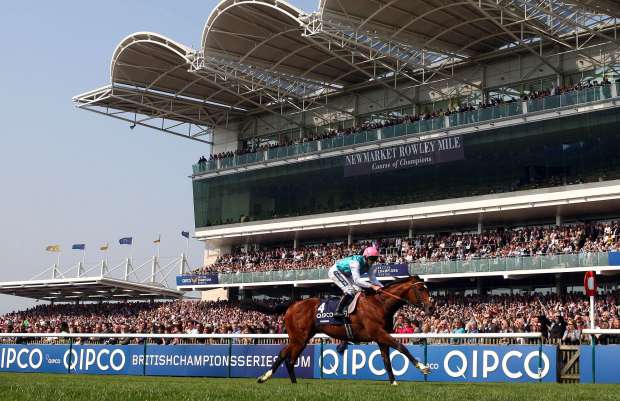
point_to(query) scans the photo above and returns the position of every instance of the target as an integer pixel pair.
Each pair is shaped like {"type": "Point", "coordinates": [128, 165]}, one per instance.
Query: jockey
{"type": "Point", "coordinates": [347, 272]}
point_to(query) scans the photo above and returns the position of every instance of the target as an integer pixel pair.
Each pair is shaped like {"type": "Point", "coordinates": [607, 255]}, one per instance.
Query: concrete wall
{"type": "Point", "coordinates": [225, 139]}
{"type": "Point", "coordinates": [217, 294]}
{"type": "Point", "coordinates": [212, 251]}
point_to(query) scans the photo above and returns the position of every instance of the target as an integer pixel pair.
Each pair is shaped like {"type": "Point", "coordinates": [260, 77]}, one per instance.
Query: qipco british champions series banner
{"type": "Point", "coordinates": [423, 153]}
{"type": "Point", "coordinates": [449, 363]}
{"type": "Point", "coordinates": [393, 269]}
{"type": "Point", "coordinates": [197, 279]}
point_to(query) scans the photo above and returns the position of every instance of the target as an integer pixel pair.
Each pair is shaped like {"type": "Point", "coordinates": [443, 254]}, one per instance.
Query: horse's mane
{"type": "Point", "coordinates": [401, 280]}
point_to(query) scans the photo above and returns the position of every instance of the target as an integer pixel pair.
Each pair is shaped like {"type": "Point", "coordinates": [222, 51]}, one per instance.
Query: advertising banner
{"type": "Point", "coordinates": [613, 258]}
{"type": "Point", "coordinates": [197, 279]}
{"type": "Point", "coordinates": [152, 360]}
{"type": "Point", "coordinates": [463, 363]}
{"type": "Point", "coordinates": [254, 360]}
{"type": "Point", "coordinates": [400, 269]}
{"type": "Point", "coordinates": [449, 363]}
{"type": "Point", "coordinates": [185, 360]}
{"type": "Point", "coordinates": [414, 154]}
{"type": "Point", "coordinates": [605, 360]}
{"type": "Point", "coordinates": [33, 358]}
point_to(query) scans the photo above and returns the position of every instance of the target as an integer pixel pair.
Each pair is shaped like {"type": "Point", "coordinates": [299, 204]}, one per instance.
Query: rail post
{"type": "Point", "coordinates": [70, 355]}
{"type": "Point", "coordinates": [229, 355]}
{"type": "Point", "coordinates": [593, 345]}
{"type": "Point", "coordinates": [540, 353]}
{"type": "Point", "coordinates": [425, 356]}
{"type": "Point", "coordinates": [144, 357]}
{"type": "Point", "coordinates": [321, 359]}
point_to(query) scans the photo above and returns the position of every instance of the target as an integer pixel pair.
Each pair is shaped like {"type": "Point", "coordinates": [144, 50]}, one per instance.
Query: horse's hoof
{"type": "Point", "coordinates": [394, 383]}
{"type": "Point", "coordinates": [423, 368]}
{"type": "Point", "coordinates": [266, 376]}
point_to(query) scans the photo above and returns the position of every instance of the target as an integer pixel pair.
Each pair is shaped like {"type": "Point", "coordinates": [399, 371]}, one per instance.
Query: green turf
{"type": "Point", "coordinates": [27, 387]}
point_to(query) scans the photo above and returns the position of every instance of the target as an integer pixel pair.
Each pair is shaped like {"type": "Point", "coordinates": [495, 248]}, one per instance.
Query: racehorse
{"type": "Point", "coordinates": [372, 321]}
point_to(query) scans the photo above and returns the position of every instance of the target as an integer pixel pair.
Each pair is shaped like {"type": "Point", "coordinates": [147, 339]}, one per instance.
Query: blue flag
{"type": "Point", "coordinates": [81, 247]}
{"type": "Point", "coordinates": [185, 234]}
{"type": "Point", "coordinates": [125, 241]}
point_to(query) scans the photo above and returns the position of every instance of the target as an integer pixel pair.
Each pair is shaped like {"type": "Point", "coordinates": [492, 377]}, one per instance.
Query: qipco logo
{"type": "Point", "coordinates": [358, 360]}
{"type": "Point", "coordinates": [24, 358]}
{"type": "Point", "coordinates": [513, 364]}
{"type": "Point", "coordinates": [90, 359]}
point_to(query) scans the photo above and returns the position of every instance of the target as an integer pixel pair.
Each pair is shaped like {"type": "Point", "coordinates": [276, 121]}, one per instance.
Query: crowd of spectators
{"type": "Point", "coordinates": [525, 241]}
{"type": "Point", "coordinates": [177, 317]}
{"type": "Point", "coordinates": [559, 318]}
{"type": "Point", "coordinates": [251, 147]}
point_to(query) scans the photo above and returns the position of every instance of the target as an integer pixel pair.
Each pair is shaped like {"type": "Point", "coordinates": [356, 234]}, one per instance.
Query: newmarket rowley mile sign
{"type": "Point", "coordinates": [415, 154]}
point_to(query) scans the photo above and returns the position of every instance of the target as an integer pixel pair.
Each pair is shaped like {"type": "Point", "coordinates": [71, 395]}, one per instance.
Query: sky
{"type": "Point", "coordinates": [70, 176]}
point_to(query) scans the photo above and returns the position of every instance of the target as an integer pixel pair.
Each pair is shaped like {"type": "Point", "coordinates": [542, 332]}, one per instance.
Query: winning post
{"type": "Point", "coordinates": [589, 284]}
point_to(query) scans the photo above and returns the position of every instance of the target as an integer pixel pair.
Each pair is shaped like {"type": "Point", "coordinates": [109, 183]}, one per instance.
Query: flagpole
{"type": "Point", "coordinates": [158, 243]}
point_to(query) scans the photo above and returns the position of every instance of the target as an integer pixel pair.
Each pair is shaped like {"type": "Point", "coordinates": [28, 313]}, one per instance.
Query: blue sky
{"type": "Point", "coordinates": [70, 176]}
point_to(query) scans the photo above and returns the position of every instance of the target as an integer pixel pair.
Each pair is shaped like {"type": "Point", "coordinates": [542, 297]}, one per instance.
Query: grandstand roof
{"type": "Point", "coordinates": [267, 56]}
{"type": "Point", "coordinates": [86, 289]}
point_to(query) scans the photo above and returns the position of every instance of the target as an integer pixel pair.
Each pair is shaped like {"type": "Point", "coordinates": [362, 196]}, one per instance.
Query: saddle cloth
{"type": "Point", "coordinates": [326, 309]}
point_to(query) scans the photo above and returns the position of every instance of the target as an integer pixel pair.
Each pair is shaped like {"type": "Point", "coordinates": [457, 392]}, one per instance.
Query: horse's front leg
{"type": "Point", "coordinates": [385, 353]}
{"type": "Point", "coordinates": [385, 339]}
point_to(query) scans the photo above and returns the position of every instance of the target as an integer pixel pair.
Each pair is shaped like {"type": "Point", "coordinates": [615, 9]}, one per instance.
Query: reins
{"type": "Point", "coordinates": [382, 291]}
{"type": "Point", "coordinates": [393, 296]}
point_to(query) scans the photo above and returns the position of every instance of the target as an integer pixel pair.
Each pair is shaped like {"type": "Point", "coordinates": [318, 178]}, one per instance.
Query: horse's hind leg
{"type": "Point", "coordinates": [385, 354]}
{"type": "Point", "coordinates": [290, 367]}
{"type": "Point", "coordinates": [282, 356]}
{"type": "Point", "coordinates": [295, 350]}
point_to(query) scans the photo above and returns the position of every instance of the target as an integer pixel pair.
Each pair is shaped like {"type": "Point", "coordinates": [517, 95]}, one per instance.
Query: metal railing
{"type": "Point", "coordinates": [537, 262]}
{"type": "Point", "coordinates": [256, 339]}
{"type": "Point", "coordinates": [573, 98]}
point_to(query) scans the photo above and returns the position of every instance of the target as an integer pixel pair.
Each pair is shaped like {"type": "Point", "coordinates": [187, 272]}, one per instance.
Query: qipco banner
{"type": "Point", "coordinates": [152, 360]}
{"type": "Point", "coordinates": [395, 269]}
{"type": "Point", "coordinates": [414, 154]}
{"type": "Point", "coordinates": [599, 364]}
{"type": "Point", "coordinates": [197, 279]}
{"type": "Point", "coordinates": [476, 363]}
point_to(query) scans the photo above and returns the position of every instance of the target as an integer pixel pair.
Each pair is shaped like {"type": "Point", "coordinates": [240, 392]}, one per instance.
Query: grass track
{"type": "Point", "coordinates": [39, 387]}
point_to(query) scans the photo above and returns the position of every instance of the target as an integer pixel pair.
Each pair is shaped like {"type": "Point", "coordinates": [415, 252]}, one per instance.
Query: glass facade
{"type": "Point", "coordinates": [446, 267]}
{"type": "Point", "coordinates": [556, 152]}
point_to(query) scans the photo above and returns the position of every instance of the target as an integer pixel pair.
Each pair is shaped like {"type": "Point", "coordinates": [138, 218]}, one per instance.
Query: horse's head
{"type": "Point", "coordinates": [419, 295]}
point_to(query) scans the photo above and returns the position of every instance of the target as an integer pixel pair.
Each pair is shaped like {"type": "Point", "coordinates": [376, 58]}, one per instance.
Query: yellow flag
{"type": "Point", "coordinates": [104, 247]}
{"type": "Point", "coordinates": [53, 248]}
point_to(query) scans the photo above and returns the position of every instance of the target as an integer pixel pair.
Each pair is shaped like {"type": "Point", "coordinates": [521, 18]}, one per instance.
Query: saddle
{"type": "Point", "coordinates": [326, 309]}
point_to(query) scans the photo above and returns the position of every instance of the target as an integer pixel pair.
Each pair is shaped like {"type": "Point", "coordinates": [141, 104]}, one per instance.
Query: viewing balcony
{"type": "Point", "coordinates": [488, 266]}
{"type": "Point", "coordinates": [463, 120]}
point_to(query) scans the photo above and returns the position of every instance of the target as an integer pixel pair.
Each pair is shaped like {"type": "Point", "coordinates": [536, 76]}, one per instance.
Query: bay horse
{"type": "Point", "coordinates": [372, 321]}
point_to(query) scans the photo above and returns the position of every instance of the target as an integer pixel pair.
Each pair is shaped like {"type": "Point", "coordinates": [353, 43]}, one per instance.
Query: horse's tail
{"type": "Point", "coordinates": [266, 309]}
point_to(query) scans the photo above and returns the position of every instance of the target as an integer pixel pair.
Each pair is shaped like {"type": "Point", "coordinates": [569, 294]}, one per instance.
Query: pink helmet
{"type": "Point", "coordinates": [371, 251]}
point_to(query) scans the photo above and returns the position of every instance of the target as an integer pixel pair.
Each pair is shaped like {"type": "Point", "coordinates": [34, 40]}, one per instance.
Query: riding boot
{"type": "Point", "coordinates": [344, 301]}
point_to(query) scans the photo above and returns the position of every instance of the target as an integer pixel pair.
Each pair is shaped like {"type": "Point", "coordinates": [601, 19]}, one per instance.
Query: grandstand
{"type": "Point", "coordinates": [396, 121]}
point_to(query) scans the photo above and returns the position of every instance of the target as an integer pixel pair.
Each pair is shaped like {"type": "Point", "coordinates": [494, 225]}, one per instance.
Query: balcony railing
{"type": "Point", "coordinates": [583, 96]}
{"type": "Point", "coordinates": [446, 267]}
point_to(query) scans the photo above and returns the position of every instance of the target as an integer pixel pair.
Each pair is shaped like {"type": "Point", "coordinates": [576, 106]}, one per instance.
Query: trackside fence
{"type": "Point", "coordinates": [472, 357]}
{"type": "Point", "coordinates": [598, 362]}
